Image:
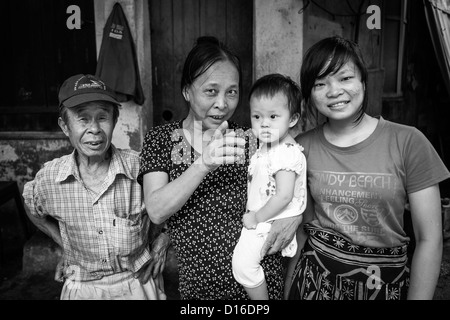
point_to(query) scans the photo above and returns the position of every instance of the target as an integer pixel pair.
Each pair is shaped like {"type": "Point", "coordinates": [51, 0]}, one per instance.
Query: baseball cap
{"type": "Point", "coordinates": [83, 88]}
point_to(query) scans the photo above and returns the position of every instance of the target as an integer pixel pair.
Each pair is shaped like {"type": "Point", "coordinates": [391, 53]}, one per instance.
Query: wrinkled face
{"type": "Point", "coordinates": [214, 95]}
{"type": "Point", "coordinates": [90, 128]}
{"type": "Point", "coordinates": [339, 96]}
{"type": "Point", "coordinates": [271, 118]}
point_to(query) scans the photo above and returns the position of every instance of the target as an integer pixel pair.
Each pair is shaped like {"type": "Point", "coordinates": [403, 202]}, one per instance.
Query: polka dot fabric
{"type": "Point", "coordinates": [206, 229]}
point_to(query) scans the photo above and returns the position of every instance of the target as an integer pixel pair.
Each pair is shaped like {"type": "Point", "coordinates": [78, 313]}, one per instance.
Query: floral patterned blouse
{"type": "Point", "coordinates": [206, 229]}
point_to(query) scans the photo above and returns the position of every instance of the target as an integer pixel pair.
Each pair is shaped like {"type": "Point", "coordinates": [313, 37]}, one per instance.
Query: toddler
{"type": "Point", "coordinates": [276, 177]}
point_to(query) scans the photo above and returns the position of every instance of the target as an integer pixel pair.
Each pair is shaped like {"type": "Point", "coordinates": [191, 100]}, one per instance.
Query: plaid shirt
{"type": "Point", "coordinates": [102, 233]}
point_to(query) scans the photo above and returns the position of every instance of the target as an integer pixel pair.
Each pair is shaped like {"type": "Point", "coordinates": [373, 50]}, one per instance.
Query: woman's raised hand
{"type": "Point", "coordinates": [223, 148]}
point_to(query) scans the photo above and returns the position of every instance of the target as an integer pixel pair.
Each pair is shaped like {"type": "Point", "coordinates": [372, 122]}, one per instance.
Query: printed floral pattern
{"type": "Point", "coordinates": [205, 230]}
{"type": "Point", "coordinates": [312, 281]}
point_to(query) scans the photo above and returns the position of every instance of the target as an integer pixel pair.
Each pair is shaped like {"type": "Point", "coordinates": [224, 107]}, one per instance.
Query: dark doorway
{"type": "Point", "coordinates": [175, 26]}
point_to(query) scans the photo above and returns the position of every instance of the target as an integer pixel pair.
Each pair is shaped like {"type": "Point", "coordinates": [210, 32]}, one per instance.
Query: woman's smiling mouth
{"type": "Point", "coordinates": [339, 104]}
{"type": "Point", "coordinates": [217, 117]}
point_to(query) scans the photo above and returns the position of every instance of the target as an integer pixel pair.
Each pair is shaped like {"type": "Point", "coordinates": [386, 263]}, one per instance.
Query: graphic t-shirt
{"type": "Point", "coordinates": [361, 190]}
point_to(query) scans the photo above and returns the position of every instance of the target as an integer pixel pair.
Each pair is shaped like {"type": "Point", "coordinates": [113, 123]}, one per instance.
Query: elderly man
{"type": "Point", "coordinates": [89, 202]}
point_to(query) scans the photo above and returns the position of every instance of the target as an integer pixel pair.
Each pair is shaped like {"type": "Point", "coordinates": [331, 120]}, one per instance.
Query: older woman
{"type": "Point", "coordinates": [99, 218]}
{"type": "Point", "coordinates": [194, 174]}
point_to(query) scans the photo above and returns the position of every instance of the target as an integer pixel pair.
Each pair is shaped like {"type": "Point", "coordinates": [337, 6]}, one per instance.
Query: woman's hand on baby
{"type": "Point", "coordinates": [281, 234]}
{"type": "Point", "coordinates": [224, 148]}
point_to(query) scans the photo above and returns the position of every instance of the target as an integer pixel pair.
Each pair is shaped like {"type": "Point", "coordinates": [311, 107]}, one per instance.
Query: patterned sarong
{"type": "Point", "coordinates": [331, 268]}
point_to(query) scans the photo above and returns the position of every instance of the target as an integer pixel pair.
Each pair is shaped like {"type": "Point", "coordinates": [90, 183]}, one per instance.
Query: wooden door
{"type": "Point", "coordinates": [175, 26]}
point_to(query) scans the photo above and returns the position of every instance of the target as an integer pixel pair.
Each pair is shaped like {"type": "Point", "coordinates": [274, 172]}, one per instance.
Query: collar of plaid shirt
{"type": "Point", "coordinates": [116, 166]}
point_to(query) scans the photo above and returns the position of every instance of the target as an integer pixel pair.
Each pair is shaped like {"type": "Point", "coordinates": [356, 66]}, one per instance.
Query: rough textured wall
{"type": "Point", "coordinates": [20, 160]}
{"type": "Point", "coordinates": [127, 134]}
{"type": "Point", "coordinates": [278, 36]}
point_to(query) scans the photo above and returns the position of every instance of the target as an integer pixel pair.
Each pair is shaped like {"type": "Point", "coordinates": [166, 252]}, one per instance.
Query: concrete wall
{"type": "Point", "coordinates": [278, 37]}
{"type": "Point", "coordinates": [20, 159]}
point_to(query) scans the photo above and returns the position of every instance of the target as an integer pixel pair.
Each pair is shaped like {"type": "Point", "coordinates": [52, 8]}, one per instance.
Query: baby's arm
{"type": "Point", "coordinates": [285, 182]}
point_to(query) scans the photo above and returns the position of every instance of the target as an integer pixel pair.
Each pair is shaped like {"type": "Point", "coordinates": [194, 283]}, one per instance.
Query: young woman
{"type": "Point", "coordinates": [362, 170]}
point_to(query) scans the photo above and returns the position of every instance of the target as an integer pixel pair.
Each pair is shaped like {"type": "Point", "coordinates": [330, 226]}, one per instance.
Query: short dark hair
{"type": "Point", "coordinates": [63, 109]}
{"type": "Point", "coordinates": [271, 84]}
{"type": "Point", "coordinates": [207, 51]}
{"type": "Point", "coordinates": [332, 53]}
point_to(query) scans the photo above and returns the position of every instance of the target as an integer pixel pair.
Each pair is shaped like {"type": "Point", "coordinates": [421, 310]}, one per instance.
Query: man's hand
{"type": "Point", "coordinates": [60, 275]}
{"type": "Point", "coordinates": [157, 260]}
{"type": "Point", "coordinates": [59, 272]}
{"type": "Point", "coordinates": [281, 234]}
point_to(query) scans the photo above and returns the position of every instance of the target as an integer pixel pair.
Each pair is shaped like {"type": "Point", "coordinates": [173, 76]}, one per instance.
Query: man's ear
{"type": "Point", "coordinates": [186, 94]}
{"type": "Point", "coordinates": [294, 119]}
{"type": "Point", "coordinates": [63, 126]}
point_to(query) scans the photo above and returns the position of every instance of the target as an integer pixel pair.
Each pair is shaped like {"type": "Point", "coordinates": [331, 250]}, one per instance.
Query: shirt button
{"type": "Point", "coordinates": [101, 232]}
